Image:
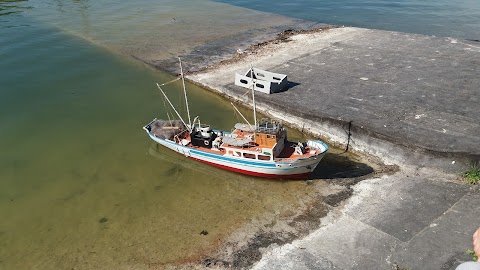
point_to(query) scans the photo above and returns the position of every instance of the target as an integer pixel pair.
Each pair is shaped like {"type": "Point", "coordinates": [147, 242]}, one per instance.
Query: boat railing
{"type": "Point", "coordinates": [148, 126]}
{"type": "Point", "coordinates": [269, 126]}
{"type": "Point", "coordinates": [268, 130]}
{"type": "Point", "coordinates": [316, 144]}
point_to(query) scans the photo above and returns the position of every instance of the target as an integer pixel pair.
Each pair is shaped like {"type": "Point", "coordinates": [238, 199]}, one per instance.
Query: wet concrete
{"type": "Point", "coordinates": [222, 49]}
{"type": "Point", "coordinates": [403, 220]}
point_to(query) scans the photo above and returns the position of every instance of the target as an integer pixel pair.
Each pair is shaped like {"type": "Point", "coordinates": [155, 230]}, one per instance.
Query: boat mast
{"type": "Point", "coordinates": [253, 98]}
{"type": "Point", "coordinates": [185, 93]}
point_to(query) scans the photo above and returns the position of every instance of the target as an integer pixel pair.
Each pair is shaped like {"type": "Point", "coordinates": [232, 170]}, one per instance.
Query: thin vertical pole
{"type": "Point", "coordinates": [253, 99]}
{"type": "Point", "coordinates": [185, 93]}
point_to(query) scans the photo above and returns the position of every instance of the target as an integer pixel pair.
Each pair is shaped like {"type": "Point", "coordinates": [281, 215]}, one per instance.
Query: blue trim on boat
{"type": "Point", "coordinates": [232, 160]}
{"type": "Point", "coordinates": [214, 156]}
{"type": "Point", "coordinates": [227, 159]}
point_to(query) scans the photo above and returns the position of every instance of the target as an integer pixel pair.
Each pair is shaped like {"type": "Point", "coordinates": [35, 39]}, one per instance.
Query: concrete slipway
{"type": "Point", "coordinates": [417, 91]}
{"type": "Point", "coordinates": [408, 99]}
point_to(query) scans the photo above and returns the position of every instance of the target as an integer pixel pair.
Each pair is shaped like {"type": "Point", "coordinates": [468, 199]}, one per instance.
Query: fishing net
{"type": "Point", "coordinates": [167, 129]}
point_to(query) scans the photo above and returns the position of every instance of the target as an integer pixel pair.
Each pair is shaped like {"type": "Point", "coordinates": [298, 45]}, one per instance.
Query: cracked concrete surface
{"type": "Point", "coordinates": [402, 219]}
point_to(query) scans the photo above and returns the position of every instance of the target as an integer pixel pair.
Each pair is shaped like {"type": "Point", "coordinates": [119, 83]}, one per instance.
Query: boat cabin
{"type": "Point", "coordinates": [248, 154]}
{"type": "Point", "coordinates": [270, 135]}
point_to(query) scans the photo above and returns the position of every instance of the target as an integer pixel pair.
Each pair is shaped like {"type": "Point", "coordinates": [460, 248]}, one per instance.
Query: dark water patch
{"type": "Point", "coordinates": [244, 258]}
{"type": "Point", "coordinates": [13, 7]}
{"type": "Point", "coordinates": [103, 220]}
{"type": "Point", "coordinates": [121, 179]}
{"type": "Point", "coordinates": [309, 219]}
{"type": "Point", "coordinates": [335, 199]}
{"type": "Point", "coordinates": [174, 169]}
{"type": "Point", "coordinates": [73, 194]}
{"type": "Point", "coordinates": [87, 180]}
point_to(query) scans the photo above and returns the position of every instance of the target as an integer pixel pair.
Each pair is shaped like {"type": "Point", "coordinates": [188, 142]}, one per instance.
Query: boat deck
{"type": "Point", "coordinates": [288, 152]}
{"type": "Point", "coordinates": [252, 151]}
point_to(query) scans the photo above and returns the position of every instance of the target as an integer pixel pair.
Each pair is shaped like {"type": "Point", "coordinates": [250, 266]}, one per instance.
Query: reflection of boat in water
{"type": "Point", "coordinates": [260, 150]}
{"type": "Point", "coordinates": [181, 162]}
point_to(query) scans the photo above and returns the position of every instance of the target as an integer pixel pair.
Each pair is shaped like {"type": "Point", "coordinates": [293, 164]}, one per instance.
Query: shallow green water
{"type": "Point", "coordinates": [81, 184]}
{"type": "Point", "coordinates": [153, 30]}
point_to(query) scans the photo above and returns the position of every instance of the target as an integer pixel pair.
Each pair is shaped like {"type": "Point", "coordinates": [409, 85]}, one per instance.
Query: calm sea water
{"type": "Point", "coordinates": [81, 185]}
{"type": "Point", "coordinates": [452, 18]}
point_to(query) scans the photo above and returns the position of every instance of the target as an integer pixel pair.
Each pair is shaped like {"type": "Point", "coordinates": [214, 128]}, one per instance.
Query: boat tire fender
{"type": "Point", "coordinates": [206, 142]}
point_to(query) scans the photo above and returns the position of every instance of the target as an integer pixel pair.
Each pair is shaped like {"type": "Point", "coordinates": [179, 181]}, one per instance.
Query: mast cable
{"type": "Point", "coordinates": [242, 116]}
{"type": "Point", "coordinates": [179, 116]}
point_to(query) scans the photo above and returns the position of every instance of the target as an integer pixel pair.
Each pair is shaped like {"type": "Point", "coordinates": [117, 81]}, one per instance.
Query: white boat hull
{"type": "Point", "coordinates": [298, 168]}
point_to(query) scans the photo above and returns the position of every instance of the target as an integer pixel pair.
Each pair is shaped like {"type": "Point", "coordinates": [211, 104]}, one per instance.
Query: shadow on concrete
{"type": "Point", "coordinates": [335, 166]}
{"type": "Point", "coordinates": [290, 85]}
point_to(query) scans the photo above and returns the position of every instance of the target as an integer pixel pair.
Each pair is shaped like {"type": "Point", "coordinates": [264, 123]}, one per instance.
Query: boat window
{"type": "Point", "coordinates": [247, 155]}
{"type": "Point", "coordinates": [260, 75]}
{"type": "Point", "coordinates": [262, 157]}
{"type": "Point", "coordinates": [275, 78]}
{"type": "Point", "coordinates": [268, 136]}
{"type": "Point", "coordinates": [238, 154]}
{"type": "Point", "coordinates": [273, 136]}
{"type": "Point", "coordinates": [259, 85]}
{"type": "Point", "coordinates": [244, 81]}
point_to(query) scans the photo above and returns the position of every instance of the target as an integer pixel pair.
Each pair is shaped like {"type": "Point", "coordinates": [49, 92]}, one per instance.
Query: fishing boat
{"type": "Point", "coordinates": [260, 149]}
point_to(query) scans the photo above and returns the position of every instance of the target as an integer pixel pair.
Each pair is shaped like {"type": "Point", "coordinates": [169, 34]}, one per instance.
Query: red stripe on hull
{"type": "Point", "coordinates": [263, 175]}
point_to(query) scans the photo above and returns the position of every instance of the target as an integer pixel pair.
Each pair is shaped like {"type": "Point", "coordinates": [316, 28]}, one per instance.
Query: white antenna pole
{"type": "Point", "coordinates": [185, 93]}
{"type": "Point", "coordinates": [242, 115]}
{"type": "Point", "coordinates": [253, 98]}
{"type": "Point", "coordinates": [181, 119]}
